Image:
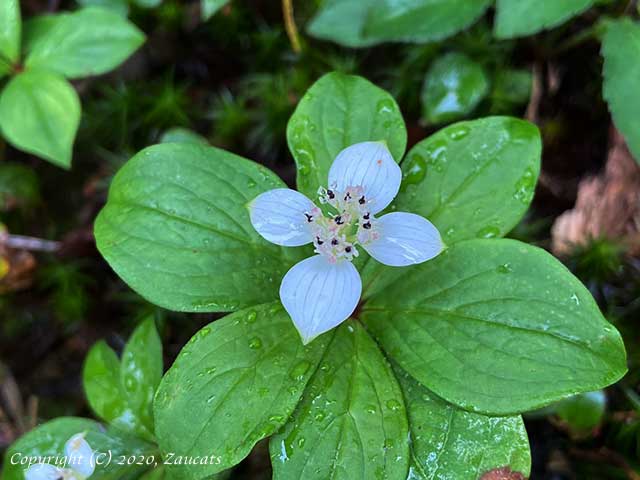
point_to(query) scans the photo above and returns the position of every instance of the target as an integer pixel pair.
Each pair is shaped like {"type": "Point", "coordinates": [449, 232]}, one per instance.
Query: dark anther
{"type": "Point", "coordinates": [347, 249]}
{"type": "Point", "coordinates": [366, 225]}
{"type": "Point", "coordinates": [347, 197]}
{"type": "Point", "coordinates": [338, 220]}
{"type": "Point", "coordinates": [362, 200]}
{"type": "Point", "coordinates": [366, 216]}
{"type": "Point", "coordinates": [309, 217]}
{"type": "Point", "coordinates": [334, 242]}
{"type": "Point", "coordinates": [330, 194]}
{"type": "Point", "coordinates": [318, 241]}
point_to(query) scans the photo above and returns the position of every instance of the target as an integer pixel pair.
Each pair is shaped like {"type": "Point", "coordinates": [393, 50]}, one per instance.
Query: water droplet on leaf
{"type": "Point", "coordinates": [488, 232]}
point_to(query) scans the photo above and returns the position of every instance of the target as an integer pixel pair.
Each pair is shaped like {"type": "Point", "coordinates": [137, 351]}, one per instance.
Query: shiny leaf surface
{"type": "Point", "coordinates": [497, 327]}
{"type": "Point", "coordinates": [453, 87]}
{"type": "Point", "coordinates": [242, 376]}
{"type": "Point", "coordinates": [177, 230]}
{"type": "Point", "coordinates": [336, 112]}
{"type": "Point", "coordinates": [473, 179]}
{"type": "Point", "coordinates": [141, 370]}
{"type": "Point", "coordinates": [351, 422]}
{"type": "Point", "coordinates": [452, 444]}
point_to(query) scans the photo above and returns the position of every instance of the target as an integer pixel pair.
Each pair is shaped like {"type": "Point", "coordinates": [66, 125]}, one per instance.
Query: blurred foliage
{"type": "Point", "coordinates": [19, 187]}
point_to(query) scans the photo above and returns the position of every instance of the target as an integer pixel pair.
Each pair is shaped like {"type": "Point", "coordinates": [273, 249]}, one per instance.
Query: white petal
{"type": "Point", "coordinates": [79, 455]}
{"type": "Point", "coordinates": [371, 166]}
{"type": "Point", "coordinates": [43, 471]}
{"type": "Point", "coordinates": [279, 217]}
{"type": "Point", "coordinates": [319, 295]}
{"type": "Point", "coordinates": [405, 239]}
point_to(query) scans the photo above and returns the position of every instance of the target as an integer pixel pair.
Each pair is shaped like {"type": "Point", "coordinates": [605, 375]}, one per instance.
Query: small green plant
{"type": "Point", "coordinates": [39, 108]}
{"type": "Point", "coordinates": [487, 329]}
{"type": "Point", "coordinates": [120, 392]}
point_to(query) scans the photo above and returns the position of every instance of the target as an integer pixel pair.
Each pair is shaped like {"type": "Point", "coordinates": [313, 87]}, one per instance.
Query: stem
{"type": "Point", "coordinates": [21, 242]}
{"type": "Point", "coordinates": [290, 25]}
{"type": "Point", "coordinates": [629, 8]}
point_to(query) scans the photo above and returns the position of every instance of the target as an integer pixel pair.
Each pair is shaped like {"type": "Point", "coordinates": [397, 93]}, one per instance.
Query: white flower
{"type": "Point", "coordinates": [322, 291]}
{"type": "Point", "coordinates": [79, 463]}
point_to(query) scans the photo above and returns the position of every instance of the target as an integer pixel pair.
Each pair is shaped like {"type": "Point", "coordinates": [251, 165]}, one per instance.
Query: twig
{"type": "Point", "coordinates": [290, 25]}
{"type": "Point", "coordinates": [32, 413]}
{"type": "Point", "coordinates": [536, 94]}
{"type": "Point", "coordinates": [629, 7]}
{"type": "Point", "coordinates": [53, 5]}
{"type": "Point", "coordinates": [21, 242]}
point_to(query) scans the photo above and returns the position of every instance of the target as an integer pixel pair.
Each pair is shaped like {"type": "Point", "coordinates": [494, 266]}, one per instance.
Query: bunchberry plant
{"type": "Point", "coordinates": [39, 108]}
{"type": "Point", "coordinates": [120, 392]}
{"type": "Point", "coordinates": [451, 348]}
{"type": "Point", "coordinates": [429, 374]}
{"type": "Point", "coordinates": [78, 463]}
{"type": "Point", "coordinates": [324, 290]}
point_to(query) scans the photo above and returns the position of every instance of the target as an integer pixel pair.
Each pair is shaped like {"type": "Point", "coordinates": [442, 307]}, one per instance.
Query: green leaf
{"type": "Point", "coordinates": [518, 18]}
{"type": "Point", "coordinates": [511, 88]}
{"type": "Point", "coordinates": [19, 186]}
{"type": "Point", "coordinates": [583, 412]}
{"type": "Point", "coordinates": [210, 7]}
{"type": "Point", "coordinates": [155, 474]}
{"type": "Point", "coordinates": [621, 51]}
{"type": "Point", "coordinates": [473, 179]}
{"type": "Point", "coordinates": [182, 135]}
{"type": "Point", "coordinates": [141, 370]}
{"type": "Point", "coordinates": [10, 30]}
{"type": "Point", "coordinates": [49, 439]}
{"type": "Point", "coordinates": [40, 113]}
{"type": "Point", "coordinates": [177, 230]}
{"type": "Point", "coordinates": [46, 439]}
{"type": "Point", "coordinates": [241, 376]}
{"type": "Point", "coordinates": [36, 28]}
{"type": "Point", "coordinates": [336, 112]}
{"type": "Point", "coordinates": [497, 327]}
{"type": "Point", "coordinates": [147, 3]}
{"type": "Point", "coordinates": [351, 422]}
{"type": "Point", "coordinates": [106, 394]}
{"type": "Point", "coordinates": [452, 444]}
{"type": "Point", "coordinates": [342, 21]}
{"type": "Point", "coordinates": [453, 87]}
{"type": "Point", "coordinates": [90, 41]}
{"type": "Point", "coordinates": [421, 20]}
{"type": "Point", "coordinates": [101, 379]}
{"type": "Point", "coordinates": [121, 7]}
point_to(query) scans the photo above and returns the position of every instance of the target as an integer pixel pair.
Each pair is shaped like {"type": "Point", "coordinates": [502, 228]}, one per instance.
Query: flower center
{"type": "Point", "coordinates": [346, 223]}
